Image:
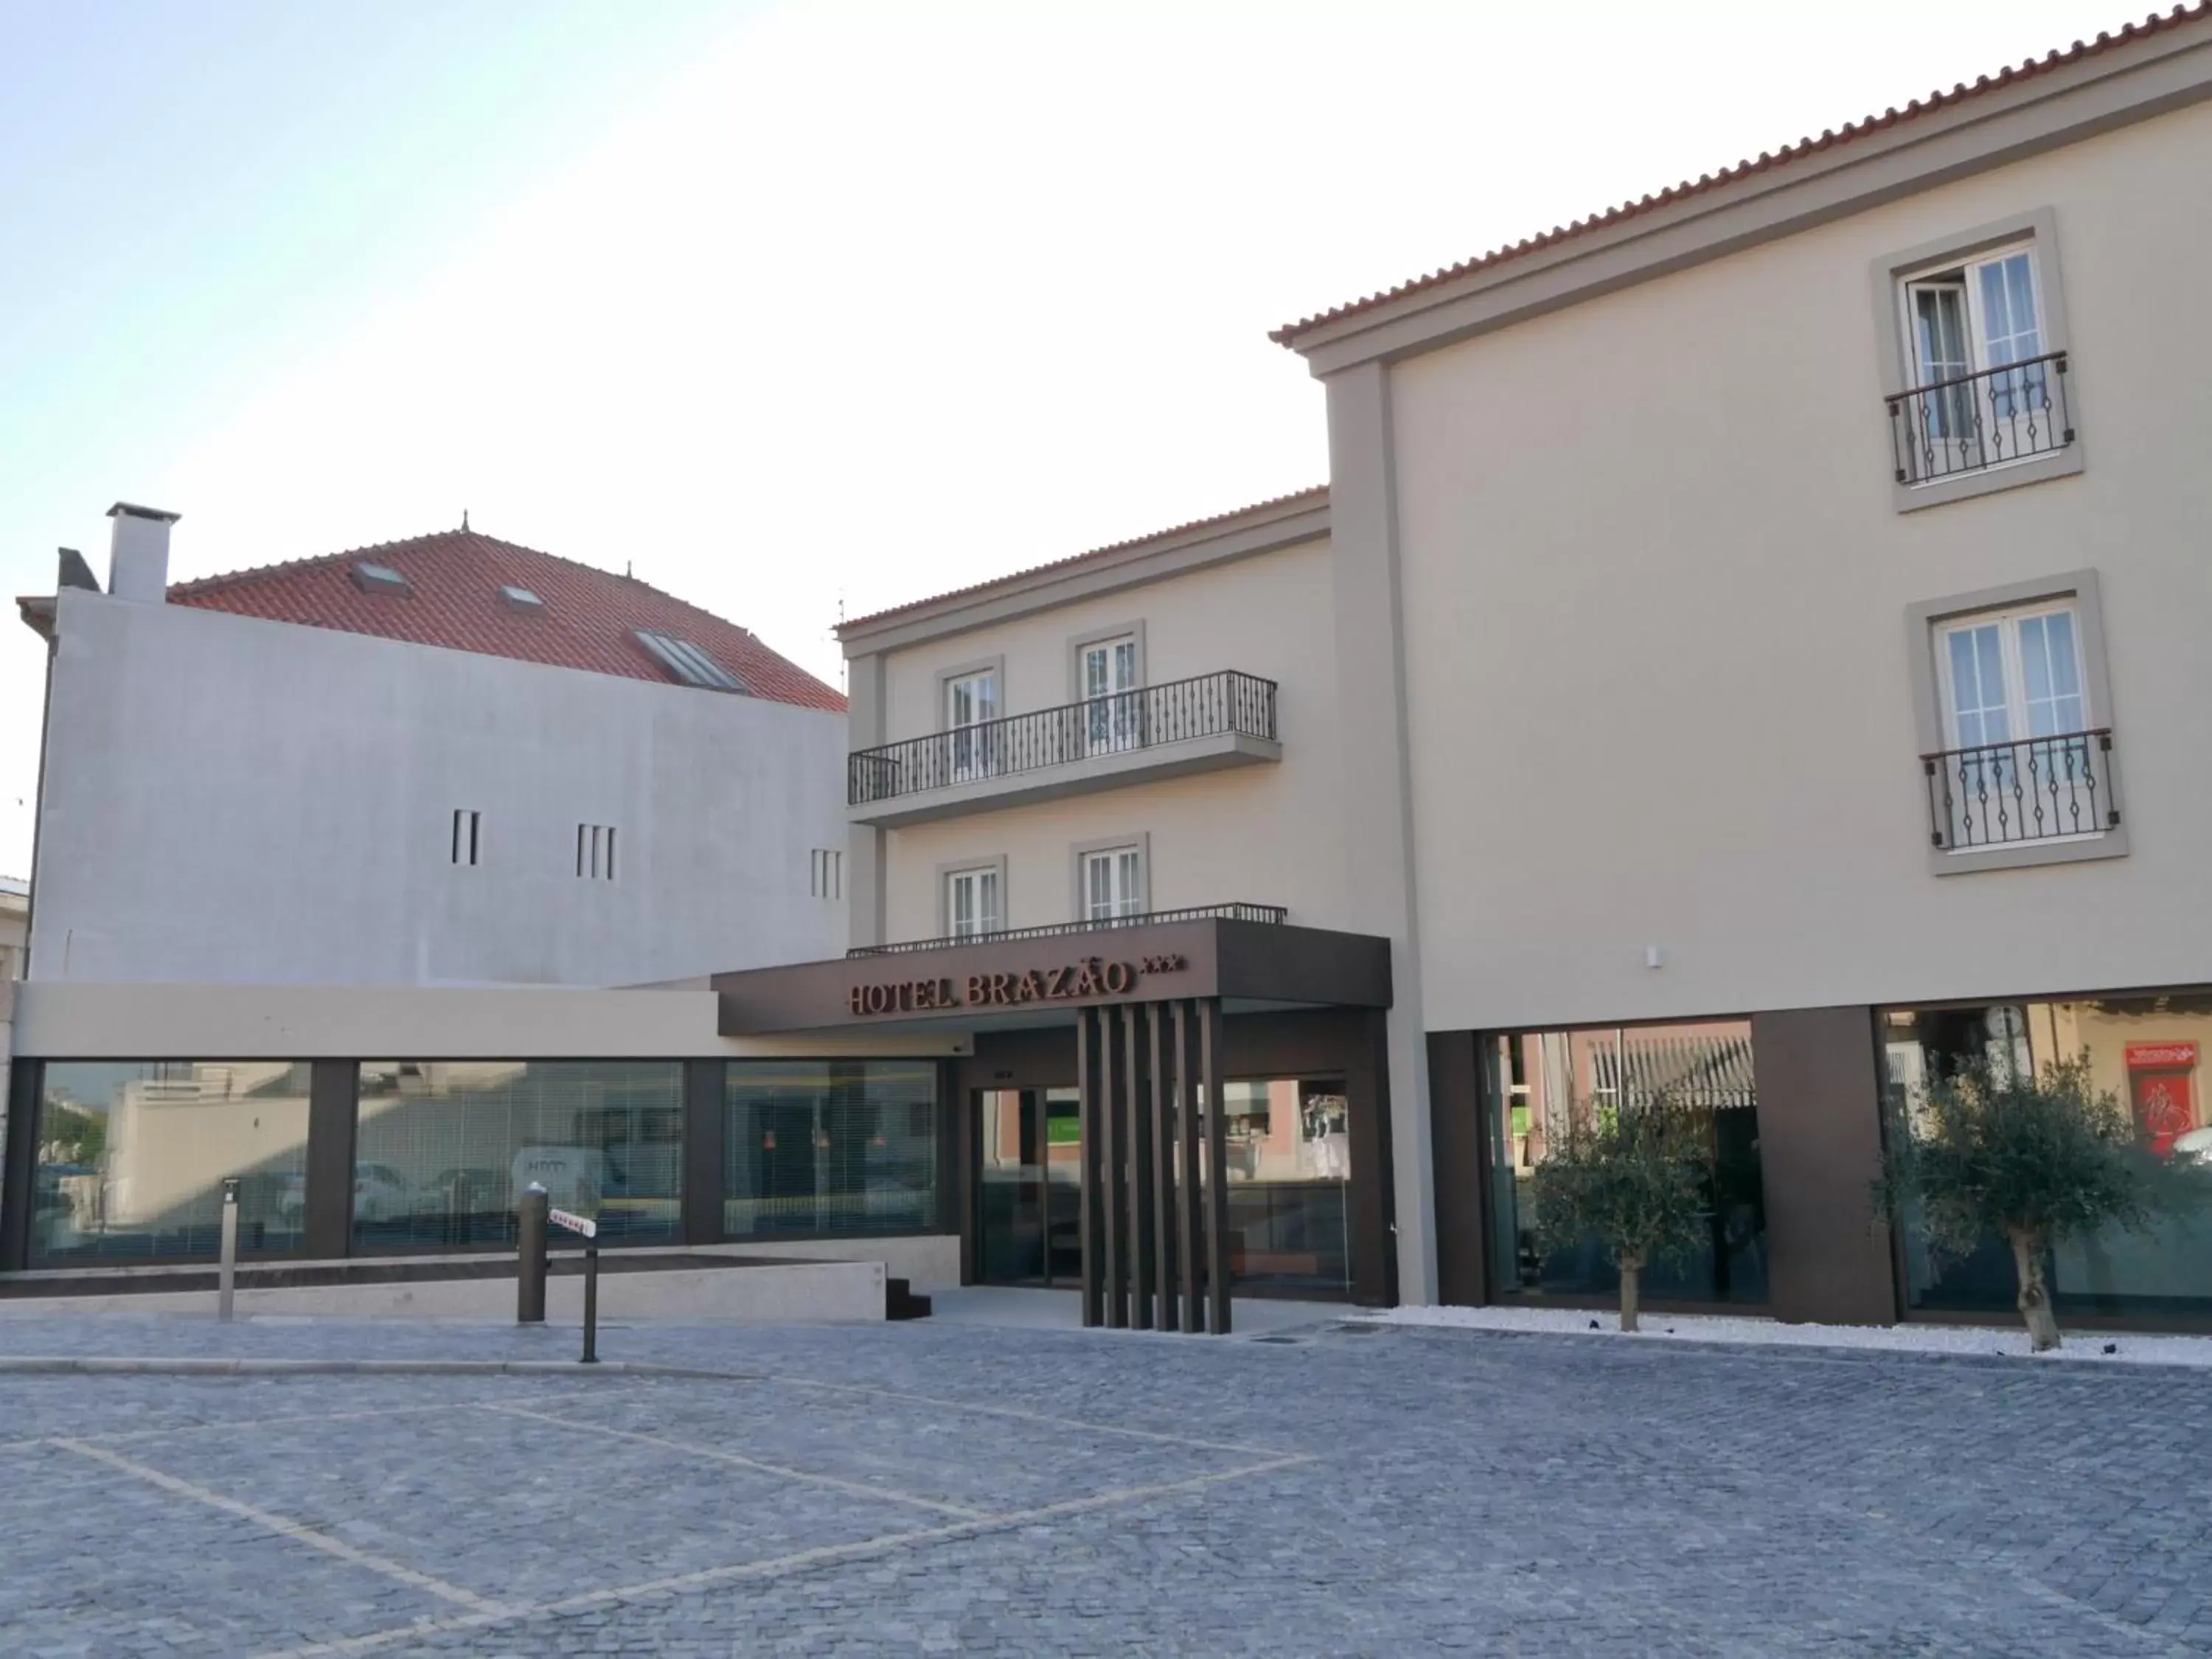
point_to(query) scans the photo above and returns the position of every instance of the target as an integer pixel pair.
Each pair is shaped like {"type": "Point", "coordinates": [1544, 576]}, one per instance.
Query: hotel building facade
{"type": "Point", "coordinates": [1742, 653]}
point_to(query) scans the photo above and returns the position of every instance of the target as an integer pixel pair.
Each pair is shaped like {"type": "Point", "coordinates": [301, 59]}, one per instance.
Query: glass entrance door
{"type": "Point", "coordinates": [1029, 1219]}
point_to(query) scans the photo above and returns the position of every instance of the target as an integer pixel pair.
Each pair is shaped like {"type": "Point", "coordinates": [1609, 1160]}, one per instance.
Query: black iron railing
{"type": "Point", "coordinates": [1270, 913]}
{"type": "Point", "coordinates": [2034, 789]}
{"type": "Point", "coordinates": [1209, 705]}
{"type": "Point", "coordinates": [1978, 420]}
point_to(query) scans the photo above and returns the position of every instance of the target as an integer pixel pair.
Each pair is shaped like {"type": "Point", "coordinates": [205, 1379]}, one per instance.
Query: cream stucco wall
{"type": "Point", "coordinates": [1654, 597]}
{"type": "Point", "coordinates": [1266, 834]}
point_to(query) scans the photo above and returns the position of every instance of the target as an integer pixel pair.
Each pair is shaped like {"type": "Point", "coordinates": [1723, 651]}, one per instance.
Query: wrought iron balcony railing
{"type": "Point", "coordinates": [1268, 913]}
{"type": "Point", "coordinates": [1209, 705]}
{"type": "Point", "coordinates": [2034, 789]}
{"type": "Point", "coordinates": [1975, 422]}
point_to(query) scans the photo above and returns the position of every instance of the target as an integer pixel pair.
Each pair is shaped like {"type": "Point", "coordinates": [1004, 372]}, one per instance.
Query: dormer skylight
{"type": "Point", "coordinates": [380, 578]}
{"type": "Point", "coordinates": [688, 662]}
{"type": "Point", "coordinates": [520, 598]}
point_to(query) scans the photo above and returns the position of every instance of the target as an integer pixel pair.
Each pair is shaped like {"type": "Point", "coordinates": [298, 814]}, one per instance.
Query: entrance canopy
{"type": "Point", "coordinates": [1045, 975]}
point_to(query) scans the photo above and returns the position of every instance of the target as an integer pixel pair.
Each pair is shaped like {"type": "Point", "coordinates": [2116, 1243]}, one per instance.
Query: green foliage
{"type": "Point", "coordinates": [74, 1135]}
{"type": "Point", "coordinates": [1998, 1151]}
{"type": "Point", "coordinates": [1639, 1181]}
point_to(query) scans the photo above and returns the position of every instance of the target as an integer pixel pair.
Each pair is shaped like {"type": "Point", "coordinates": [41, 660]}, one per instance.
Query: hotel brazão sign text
{"type": "Point", "coordinates": [1091, 977]}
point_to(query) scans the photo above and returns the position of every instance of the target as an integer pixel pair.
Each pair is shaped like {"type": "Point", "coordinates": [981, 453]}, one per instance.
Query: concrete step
{"type": "Point", "coordinates": [901, 1302]}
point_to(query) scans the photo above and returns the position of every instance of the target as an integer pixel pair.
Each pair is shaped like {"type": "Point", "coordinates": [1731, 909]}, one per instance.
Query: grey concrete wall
{"type": "Point", "coordinates": [233, 800]}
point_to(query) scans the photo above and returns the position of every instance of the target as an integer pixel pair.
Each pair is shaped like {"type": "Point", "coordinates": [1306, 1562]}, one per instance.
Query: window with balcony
{"type": "Point", "coordinates": [971, 705]}
{"type": "Point", "coordinates": [1118, 729]}
{"type": "Point", "coordinates": [1981, 395]}
{"type": "Point", "coordinates": [1112, 713]}
{"type": "Point", "coordinates": [2022, 761]}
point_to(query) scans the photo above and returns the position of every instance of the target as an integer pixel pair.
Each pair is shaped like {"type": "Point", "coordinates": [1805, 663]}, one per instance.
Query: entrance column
{"type": "Point", "coordinates": [1155, 1202]}
{"type": "Point", "coordinates": [1088, 1211]}
{"type": "Point", "coordinates": [1160, 1097]}
{"type": "Point", "coordinates": [1217, 1169]}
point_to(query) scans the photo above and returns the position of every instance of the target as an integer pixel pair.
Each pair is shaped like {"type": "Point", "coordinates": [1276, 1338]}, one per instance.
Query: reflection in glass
{"type": "Point", "coordinates": [1288, 1157]}
{"type": "Point", "coordinates": [1538, 1083]}
{"type": "Point", "coordinates": [1030, 1196]}
{"type": "Point", "coordinates": [829, 1147]}
{"type": "Point", "coordinates": [131, 1157]}
{"type": "Point", "coordinates": [2147, 1050]}
{"type": "Point", "coordinates": [443, 1147]}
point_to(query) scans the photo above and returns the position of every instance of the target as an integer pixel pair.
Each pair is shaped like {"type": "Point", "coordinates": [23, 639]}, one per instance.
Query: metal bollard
{"type": "Point", "coordinates": [530, 1256]}
{"type": "Point", "coordinates": [590, 1302]}
{"type": "Point", "coordinates": [226, 1273]}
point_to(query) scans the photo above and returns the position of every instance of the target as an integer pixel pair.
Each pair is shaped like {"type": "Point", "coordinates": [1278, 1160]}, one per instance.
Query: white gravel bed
{"type": "Point", "coordinates": [2087, 1348]}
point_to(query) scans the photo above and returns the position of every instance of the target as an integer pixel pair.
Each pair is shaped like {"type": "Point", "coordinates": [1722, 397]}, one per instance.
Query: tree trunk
{"type": "Point", "coordinates": [1630, 1267]}
{"type": "Point", "coordinates": [2034, 1292]}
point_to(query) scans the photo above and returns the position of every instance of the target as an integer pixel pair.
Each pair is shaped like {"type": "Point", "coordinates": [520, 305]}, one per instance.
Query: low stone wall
{"type": "Point", "coordinates": [928, 1262]}
{"type": "Point", "coordinates": [802, 1292]}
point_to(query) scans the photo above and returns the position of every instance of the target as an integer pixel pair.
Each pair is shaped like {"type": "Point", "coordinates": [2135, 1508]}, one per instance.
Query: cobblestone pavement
{"type": "Point", "coordinates": [957, 1489]}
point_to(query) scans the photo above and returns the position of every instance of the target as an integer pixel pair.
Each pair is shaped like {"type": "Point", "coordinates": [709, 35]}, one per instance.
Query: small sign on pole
{"type": "Point", "coordinates": [590, 1230]}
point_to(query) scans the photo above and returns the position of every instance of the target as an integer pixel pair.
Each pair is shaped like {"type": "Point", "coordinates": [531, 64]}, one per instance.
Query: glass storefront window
{"type": "Point", "coordinates": [824, 1147]}
{"type": "Point", "coordinates": [442, 1148]}
{"type": "Point", "coordinates": [1288, 1157]}
{"type": "Point", "coordinates": [132, 1156]}
{"type": "Point", "coordinates": [1537, 1083]}
{"type": "Point", "coordinates": [2148, 1050]}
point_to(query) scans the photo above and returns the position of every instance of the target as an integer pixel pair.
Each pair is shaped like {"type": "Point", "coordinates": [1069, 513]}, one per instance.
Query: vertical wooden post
{"type": "Point", "coordinates": [1110, 1156]}
{"type": "Point", "coordinates": [1164, 1169]}
{"type": "Point", "coordinates": [1087, 1079]}
{"type": "Point", "coordinates": [1140, 1168]}
{"type": "Point", "coordinates": [1217, 1169]}
{"type": "Point", "coordinates": [1189, 1236]}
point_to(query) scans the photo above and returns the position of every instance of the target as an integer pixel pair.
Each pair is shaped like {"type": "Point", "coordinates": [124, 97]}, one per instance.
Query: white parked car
{"type": "Point", "coordinates": [379, 1193]}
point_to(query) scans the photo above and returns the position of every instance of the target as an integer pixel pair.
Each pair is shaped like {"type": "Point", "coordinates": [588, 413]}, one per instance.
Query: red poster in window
{"type": "Point", "coordinates": [2161, 1086]}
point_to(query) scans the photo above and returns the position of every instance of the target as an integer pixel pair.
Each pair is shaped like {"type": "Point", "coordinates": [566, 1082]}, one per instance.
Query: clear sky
{"type": "Point", "coordinates": [791, 307]}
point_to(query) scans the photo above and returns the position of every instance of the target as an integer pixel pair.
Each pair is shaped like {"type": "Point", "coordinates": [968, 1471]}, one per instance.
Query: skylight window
{"type": "Point", "coordinates": [688, 662]}
{"type": "Point", "coordinates": [521, 598]}
{"type": "Point", "coordinates": [380, 578]}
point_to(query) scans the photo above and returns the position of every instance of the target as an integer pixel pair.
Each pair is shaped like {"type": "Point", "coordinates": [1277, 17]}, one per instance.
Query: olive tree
{"type": "Point", "coordinates": [1637, 1180]}
{"type": "Point", "coordinates": [2027, 1156]}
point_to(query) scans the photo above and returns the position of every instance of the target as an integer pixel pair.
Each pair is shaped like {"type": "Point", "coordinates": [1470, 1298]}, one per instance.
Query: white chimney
{"type": "Point", "coordinates": [138, 553]}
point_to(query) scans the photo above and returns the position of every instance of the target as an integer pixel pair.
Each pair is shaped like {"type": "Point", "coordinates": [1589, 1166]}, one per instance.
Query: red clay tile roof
{"type": "Point", "coordinates": [1317, 495]}
{"type": "Point", "coordinates": [587, 623]}
{"type": "Point", "coordinates": [2180, 17]}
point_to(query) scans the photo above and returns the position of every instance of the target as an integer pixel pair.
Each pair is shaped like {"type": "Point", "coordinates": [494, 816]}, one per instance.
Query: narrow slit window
{"type": "Point", "coordinates": [595, 852]}
{"type": "Point", "coordinates": [467, 832]}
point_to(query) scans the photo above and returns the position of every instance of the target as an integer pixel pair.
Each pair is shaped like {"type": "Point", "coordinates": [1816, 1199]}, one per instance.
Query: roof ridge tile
{"type": "Point", "coordinates": [590, 621]}
{"type": "Point", "coordinates": [2182, 15]}
{"type": "Point", "coordinates": [973, 589]}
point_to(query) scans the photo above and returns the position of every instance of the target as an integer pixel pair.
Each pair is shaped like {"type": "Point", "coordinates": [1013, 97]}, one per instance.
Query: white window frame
{"type": "Point", "coordinates": [2034, 234]}
{"type": "Point", "coordinates": [1106, 677]}
{"type": "Point", "coordinates": [2008, 622]}
{"type": "Point", "coordinates": [972, 755]}
{"type": "Point", "coordinates": [1928, 626]}
{"type": "Point", "coordinates": [986, 879]}
{"type": "Point", "coordinates": [1129, 879]}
